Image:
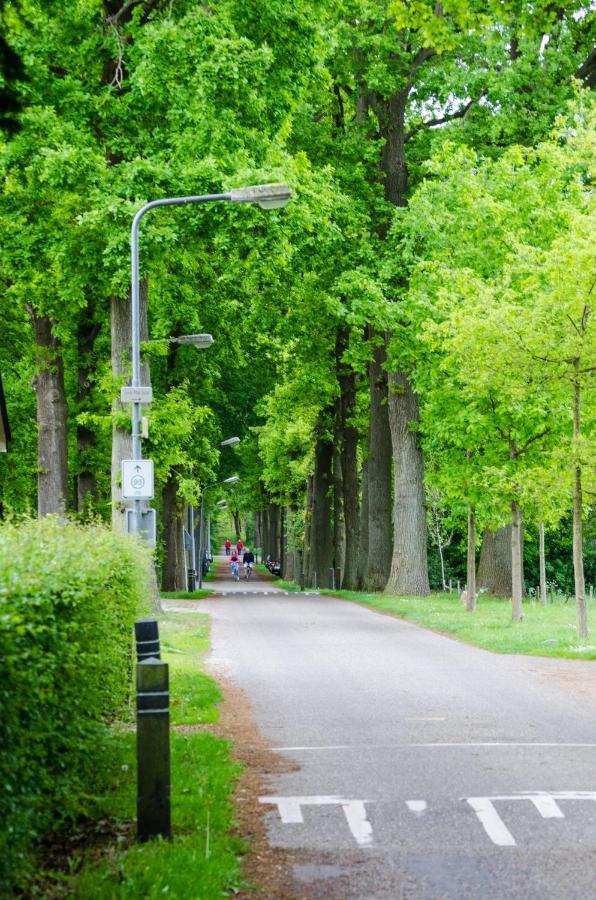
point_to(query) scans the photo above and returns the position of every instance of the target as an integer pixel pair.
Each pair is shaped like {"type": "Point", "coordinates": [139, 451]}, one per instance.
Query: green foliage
{"type": "Point", "coordinates": [68, 598]}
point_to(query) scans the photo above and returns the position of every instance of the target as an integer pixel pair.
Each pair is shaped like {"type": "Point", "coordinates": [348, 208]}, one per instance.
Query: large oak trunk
{"type": "Point", "coordinates": [86, 481]}
{"type": "Point", "coordinates": [380, 537]}
{"type": "Point", "coordinates": [307, 556]}
{"type": "Point", "coordinates": [471, 561]}
{"type": "Point", "coordinates": [349, 464]}
{"type": "Point", "coordinates": [494, 568]}
{"type": "Point", "coordinates": [409, 569]}
{"type": "Point", "coordinates": [339, 530]}
{"type": "Point", "coordinates": [364, 519]}
{"type": "Point", "coordinates": [516, 563]}
{"type": "Point", "coordinates": [578, 554]}
{"type": "Point", "coordinates": [321, 538]}
{"type": "Point", "coordinates": [173, 564]}
{"type": "Point", "coordinates": [274, 532]}
{"type": "Point", "coordinates": [52, 420]}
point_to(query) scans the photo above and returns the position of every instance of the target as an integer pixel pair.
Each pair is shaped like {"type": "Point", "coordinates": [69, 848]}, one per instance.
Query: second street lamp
{"type": "Point", "coordinates": [267, 196]}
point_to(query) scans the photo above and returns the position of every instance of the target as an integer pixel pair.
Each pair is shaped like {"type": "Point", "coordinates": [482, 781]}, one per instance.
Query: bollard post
{"type": "Point", "coordinates": [331, 579]}
{"type": "Point", "coordinates": [314, 581]}
{"type": "Point", "coordinates": [338, 578]}
{"type": "Point", "coordinates": [302, 580]}
{"type": "Point", "coordinates": [147, 639]}
{"type": "Point", "coordinates": [153, 750]}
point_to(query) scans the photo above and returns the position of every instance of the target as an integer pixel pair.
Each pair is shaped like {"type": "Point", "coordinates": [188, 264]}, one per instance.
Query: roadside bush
{"type": "Point", "coordinates": [69, 595]}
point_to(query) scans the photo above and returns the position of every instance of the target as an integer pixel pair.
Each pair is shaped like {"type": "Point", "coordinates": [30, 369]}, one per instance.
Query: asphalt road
{"type": "Point", "coordinates": [426, 768]}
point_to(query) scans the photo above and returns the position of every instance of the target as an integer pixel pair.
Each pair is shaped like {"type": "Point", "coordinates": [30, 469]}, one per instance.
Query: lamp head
{"type": "Point", "coordinates": [200, 341]}
{"type": "Point", "coordinates": [231, 480]}
{"type": "Point", "coordinates": [267, 196]}
{"type": "Point", "coordinates": [230, 442]}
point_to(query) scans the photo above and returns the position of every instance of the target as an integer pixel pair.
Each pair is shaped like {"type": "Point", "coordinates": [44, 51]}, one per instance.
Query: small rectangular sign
{"type": "Point", "coordinates": [137, 479]}
{"type": "Point", "coordinates": [136, 395]}
{"type": "Point", "coordinates": [148, 525]}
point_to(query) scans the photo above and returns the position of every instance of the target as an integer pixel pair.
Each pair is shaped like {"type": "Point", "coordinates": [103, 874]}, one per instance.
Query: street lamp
{"type": "Point", "coordinates": [233, 479]}
{"type": "Point", "coordinates": [200, 341]}
{"type": "Point", "coordinates": [267, 196]}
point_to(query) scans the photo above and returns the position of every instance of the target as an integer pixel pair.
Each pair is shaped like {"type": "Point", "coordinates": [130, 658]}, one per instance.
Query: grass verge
{"type": "Point", "coordinates": [203, 858]}
{"type": "Point", "coordinates": [186, 595]}
{"type": "Point", "coordinates": [545, 630]}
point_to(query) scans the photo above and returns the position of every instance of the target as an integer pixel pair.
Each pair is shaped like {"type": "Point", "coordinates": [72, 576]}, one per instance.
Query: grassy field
{"type": "Point", "coordinates": [186, 595]}
{"type": "Point", "coordinates": [545, 630]}
{"type": "Point", "coordinates": [203, 859]}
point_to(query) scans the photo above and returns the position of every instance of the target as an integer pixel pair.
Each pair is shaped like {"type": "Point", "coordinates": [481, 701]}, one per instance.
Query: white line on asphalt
{"type": "Point", "coordinates": [416, 806]}
{"type": "Point", "coordinates": [361, 747]}
{"type": "Point", "coordinates": [290, 812]}
{"type": "Point", "coordinates": [492, 821]}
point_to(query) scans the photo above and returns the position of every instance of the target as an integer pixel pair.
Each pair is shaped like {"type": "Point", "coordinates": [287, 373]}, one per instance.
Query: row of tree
{"type": "Point", "coordinates": [409, 343]}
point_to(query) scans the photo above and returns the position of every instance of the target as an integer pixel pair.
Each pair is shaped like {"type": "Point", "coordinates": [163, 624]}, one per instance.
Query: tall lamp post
{"type": "Point", "coordinates": [192, 572]}
{"type": "Point", "coordinates": [233, 479]}
{"type": "Point", "coordinates": [267, 196]}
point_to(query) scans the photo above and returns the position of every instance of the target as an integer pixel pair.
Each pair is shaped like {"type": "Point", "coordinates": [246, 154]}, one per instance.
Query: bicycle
{"type": "Point", "coordinates": [235, 571]}
{"type": "Point", "coordinates": [248, 569]}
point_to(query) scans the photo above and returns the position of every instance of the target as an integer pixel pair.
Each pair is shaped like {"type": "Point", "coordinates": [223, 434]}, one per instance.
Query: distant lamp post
{"type": "Point", "coordinates": [267, 196]}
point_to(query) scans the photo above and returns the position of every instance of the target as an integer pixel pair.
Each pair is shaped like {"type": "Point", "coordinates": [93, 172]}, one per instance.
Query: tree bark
{"type": "Point", "coordinates": [321, 535]}
{"type": "Point", "coordinates": [52, 420]}
{"type": "Point", "coordinates": [516, 563]}
{"type": "Point", "coordinates": [363, 549]}
{"type": "Point", "coordinates": [471, 567]}
{"type": "Point", "coordinates": [307, 555]}
{"type": "Point", "coordinates": [274, 532]}
{"type": "Point", "coordinates": [85, 481]}
{"type": "Point", "coordinates": [257, 527]}
{"type": "Point", "coordinates": [237, 524]}
{"type": "Point", "coordinates": [379, 538]}
{"type": "Point", "coordinates": [494, 568]}
{"type": "Point", "coordinates": [542, 563]}
{"type": "Point", "coordinates": [578, 556]}
{"type": "Point", "coordinates": [339, 530]}
{"type": "Point", "coordinates": [349, 462]}
{"type": "Point", "coordinates": [409, 569]}
{"type": "Point", "coordinates": [173, 537]}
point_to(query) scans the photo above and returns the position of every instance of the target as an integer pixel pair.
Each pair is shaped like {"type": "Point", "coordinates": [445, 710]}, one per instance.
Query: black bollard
{"type": "Point", "coordinates": [338, 578]}
{"type": "Point", "coordinates": [331, 579]}
{"type": "Point", "coordinates": [147, 638]}
{"type": "Point", "coordinates": [153, 750]}
{"type": "Point", "coordinates": [302, 581]}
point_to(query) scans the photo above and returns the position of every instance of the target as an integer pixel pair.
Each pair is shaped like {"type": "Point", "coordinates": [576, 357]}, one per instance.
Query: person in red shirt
{"type": "Point", "coordinates": [239, 546]}
{"type": "Point", "coordinates": [228, 546]}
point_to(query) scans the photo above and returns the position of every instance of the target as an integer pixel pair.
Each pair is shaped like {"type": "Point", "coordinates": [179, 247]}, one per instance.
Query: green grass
{"type": "Point", "coordinates": [186, 595]}
{"type": "Point", "coordinates": [203, 859]}
{"type": "Point", "coordinates": [545, 630]}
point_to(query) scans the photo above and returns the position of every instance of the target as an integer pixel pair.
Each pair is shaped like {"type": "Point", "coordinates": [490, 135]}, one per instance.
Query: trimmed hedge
{"type": "Point", "coordinates": [69, 595]}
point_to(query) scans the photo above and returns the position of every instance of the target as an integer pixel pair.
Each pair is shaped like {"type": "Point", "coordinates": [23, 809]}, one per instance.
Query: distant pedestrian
{"type": "Point", "coordinates": [228, 546]}
{"type": "Point", "coordinates": [239, 546]}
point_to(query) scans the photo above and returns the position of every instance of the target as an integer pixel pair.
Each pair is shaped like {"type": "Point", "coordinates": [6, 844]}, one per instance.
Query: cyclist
{"type": "Point", "coordinates": [248, 561]}
{"type": "Point", "coordinates": [235, 565]}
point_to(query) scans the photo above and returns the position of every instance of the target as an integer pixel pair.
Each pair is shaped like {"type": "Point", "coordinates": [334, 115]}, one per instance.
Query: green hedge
{"type": "Point", "coordinates": [69, 595]}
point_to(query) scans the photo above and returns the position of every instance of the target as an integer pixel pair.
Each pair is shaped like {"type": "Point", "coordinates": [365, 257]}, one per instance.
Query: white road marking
{"type": "Point", "coordinates": [492, 821]}
{"type": "Point", "coordinates": [417, 806]}
{"type": "Point", "coordinates": [443, 745]}
{"type": "Point", "coordinates": [544, 801]}
{"type": "Point", "coordinates": [290, 812]}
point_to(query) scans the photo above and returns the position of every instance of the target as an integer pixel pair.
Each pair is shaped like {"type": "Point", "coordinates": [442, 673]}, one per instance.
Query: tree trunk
{"type": "Point", "coordinates": [349, 462]}
{"type": "Point", "coordinates": [274, 531]}
{"type": "Point", "coordinates": [307, 555]}
{"type": "Point", "coordinates": [379, 540]}
{"type": "Point", "coordinates": [542, 563]}
{"type": "Point", "coordinates": [494, 568]}
{"type": "Point", "coordinates": [52, 420]}
{"type": "Point", "coordinates": [578, 555]}
{"type": "Point", "coordinates": [85, 481]}
{"type": "Point", "coordinates": [409, 570]}
{"type": "Point", "coordinates": [257, 527]}
{"type": "Point", "coordinates": [363, 550]}
{"type": "Point", "coordinates": [121, 370]}
{"type": "Point", "coordinates": [516, 563]}
{"type": "Point", "coordinates": [173, 536]}
{"type": "Point", "coordinates": [237, 524]}
{"type": "Point", "coordinates": [471, 573]}
{"type": "Point", "coordinates": [339, 530]}
{"type": "Point", "coordinates": [321, 535]}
